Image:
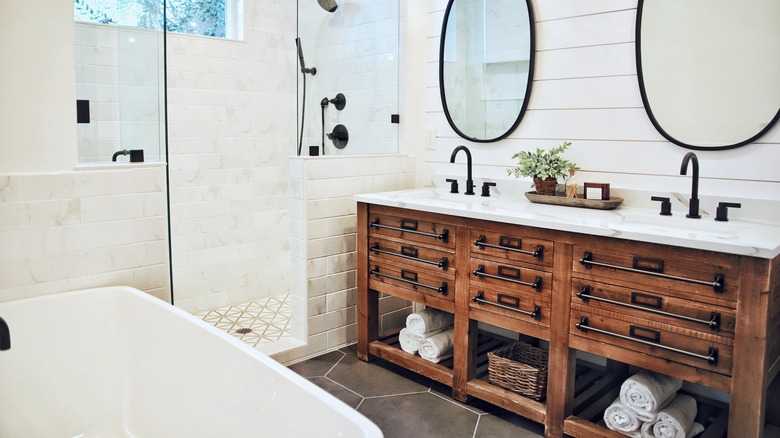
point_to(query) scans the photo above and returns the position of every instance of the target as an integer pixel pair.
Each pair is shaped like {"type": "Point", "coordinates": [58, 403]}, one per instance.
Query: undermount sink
{"type": "Point", "coordinates": [677, 225]}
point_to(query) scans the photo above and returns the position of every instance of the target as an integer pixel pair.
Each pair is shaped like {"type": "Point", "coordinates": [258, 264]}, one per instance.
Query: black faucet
{"type": "Point", "coordinates": [469, 181]}
{"type": "Point", "coordinates": [5, 336]}
{"type": "Point", "coordinates": [693, 206]}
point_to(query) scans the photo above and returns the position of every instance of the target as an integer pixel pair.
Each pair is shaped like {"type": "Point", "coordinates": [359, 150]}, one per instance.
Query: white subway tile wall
{"type": "Point", "coordinates": [76, 230]}
{"type": "Point", "coordinates": [232, 130]}
{"type": "Point", "coordinates": [324, 244]}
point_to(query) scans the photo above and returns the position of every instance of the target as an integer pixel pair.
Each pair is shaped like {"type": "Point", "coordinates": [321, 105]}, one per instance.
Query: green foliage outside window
{"type": "Point", "coordinates": [199, 17]}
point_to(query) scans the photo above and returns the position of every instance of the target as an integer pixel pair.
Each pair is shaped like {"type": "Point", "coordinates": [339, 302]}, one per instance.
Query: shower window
{"type": "Point", "coordinates": [217, 18]}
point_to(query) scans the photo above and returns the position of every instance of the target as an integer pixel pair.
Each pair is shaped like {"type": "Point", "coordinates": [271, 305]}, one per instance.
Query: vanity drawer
{"type": "Point", "coordinates": [511, 247]}
{"type": "Point", "coordinates": [700, 275]}
{"type": "Point", "coordinates": [656, 305]}
{"type": "Point", "coordinates": [416, 256]}
{"type": "Point", "coordinates": [529, 307]}
{"type": "Point", "coordinates": [411, 228]}
{"type": "Point", "coordinates": [485, 273]}
{"type": "Point", "coordinates": [704, 351]}
{"type": "Point", "coordinates": [407, 277]}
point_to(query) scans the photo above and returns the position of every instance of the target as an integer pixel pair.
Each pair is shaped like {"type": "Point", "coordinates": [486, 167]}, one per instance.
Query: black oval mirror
{"type": "Point", "coordinates": [486, 60]}
{"type": "Point", "coordinates": [708, 70]}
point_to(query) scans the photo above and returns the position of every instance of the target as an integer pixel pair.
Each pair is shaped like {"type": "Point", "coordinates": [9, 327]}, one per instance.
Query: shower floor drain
{"type": "Point", "coordinates": [243, 331]}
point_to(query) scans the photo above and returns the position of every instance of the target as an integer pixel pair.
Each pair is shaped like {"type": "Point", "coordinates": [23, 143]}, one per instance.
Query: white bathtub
{"type": "Point", "coordinates": [115, 362]}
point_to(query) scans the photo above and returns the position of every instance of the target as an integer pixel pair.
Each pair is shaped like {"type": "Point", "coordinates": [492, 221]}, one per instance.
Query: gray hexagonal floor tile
{"type": "Point", "coordinates": [376, 378]}
{"type": "Point", "coordinates": [506, 424]}
{"type": "Point", "coordinates": [340, 392]}
{"type": "Point", "coordinates": [419, 415]}
{"type": "Point", "coordinates": [318, 366]}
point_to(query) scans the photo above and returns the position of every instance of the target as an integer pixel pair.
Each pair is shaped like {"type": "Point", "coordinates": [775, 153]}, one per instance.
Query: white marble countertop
{"type": "Point", "coordinates": [743, 235]}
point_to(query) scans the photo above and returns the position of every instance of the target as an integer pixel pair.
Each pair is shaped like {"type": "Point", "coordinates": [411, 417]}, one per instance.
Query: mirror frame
{"type": "Point", "coordinates": [649, 111]}
{"type": "Point", "coordinates": [529, 82]}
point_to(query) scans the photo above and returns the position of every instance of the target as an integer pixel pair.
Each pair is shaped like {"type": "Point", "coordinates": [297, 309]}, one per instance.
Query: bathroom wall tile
{"type": "Point", "coordinates": [341, 300]}
{"type": "Point", "coordinates": [342, 336]}
{"type": "Point", "coordinates": [342, 262]}
{"type": "Point", "coordinates": [330, 320]}
{"type": "Point", "coordinates": [317, 306]}
{"type": "Point", "coordinates": [330, 246]}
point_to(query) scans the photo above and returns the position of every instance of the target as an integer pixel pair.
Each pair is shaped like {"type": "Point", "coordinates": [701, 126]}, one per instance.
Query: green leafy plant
{"type": "Point", "coordinates": [543, 164]}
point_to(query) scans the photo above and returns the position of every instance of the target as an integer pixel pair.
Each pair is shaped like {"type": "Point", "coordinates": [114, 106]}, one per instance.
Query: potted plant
{"type": "Point", "coordinates": [545, 167]}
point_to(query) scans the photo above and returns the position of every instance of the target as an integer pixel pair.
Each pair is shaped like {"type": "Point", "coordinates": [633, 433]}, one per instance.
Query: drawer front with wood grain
{"type": "Point", "coordinates": [411, 229]}
{"type": "Point", "coordinates": [655, 304]}
{"type": "Point", "coordinates": [702, 350]}
{"type": "Point", "coordinates": [529, 307]}
{"type": "Point", "coordinates": [511, 247]}
{"type": "Point", "coordinates": [403, 276]}
{"type": "Point", "coordinates": [509, 278]}
{"type": "Point", "coordinates": [699, 275]}
{"type": "Point", "coordinates": [418, 257]}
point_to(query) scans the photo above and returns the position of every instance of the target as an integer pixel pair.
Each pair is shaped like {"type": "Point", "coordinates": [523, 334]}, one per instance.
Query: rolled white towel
{"type": "Point", "coordinates": [428, 320]}
{"type": "Point", "coordinates": [410, 342]}
{"type": "Point", "coordinates": [646, 393]}
{"type": "Point", "coordinates": [438, 347]}
{"type": "Point", "coordinates": [622, 419]}
{"type": "Point", "coordinates": [675, 420]}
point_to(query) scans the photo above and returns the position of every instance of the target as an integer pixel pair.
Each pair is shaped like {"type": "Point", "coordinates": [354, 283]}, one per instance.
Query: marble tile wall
{"type": "Point", "coordinates": [75, 230]}
{"type": "Point", "coordinates": [356, 52]}
{"type": "Point", "coordinates": [323, 246]}
{"type": "Point", "coordinates": [231, 130]}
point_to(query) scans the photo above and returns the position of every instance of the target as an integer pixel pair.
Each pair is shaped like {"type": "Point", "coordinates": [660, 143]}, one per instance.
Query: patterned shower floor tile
{"type": "Point", "coordinates": [257, 322]}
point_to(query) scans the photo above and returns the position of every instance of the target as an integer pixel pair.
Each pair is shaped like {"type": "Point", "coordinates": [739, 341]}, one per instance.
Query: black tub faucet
{"type": "Point", "coordinates": [5, 336]}
{"type": "Point", "coordinates": [469, 181]}
{"type": "Point", "coordinates": [693, 206]}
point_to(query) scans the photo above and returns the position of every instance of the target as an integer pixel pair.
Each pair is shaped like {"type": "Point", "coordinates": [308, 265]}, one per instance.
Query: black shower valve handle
{"type": "Point", "coordinates": [453, 185]}
{"type": "Point", "coordinates": [666, 205]}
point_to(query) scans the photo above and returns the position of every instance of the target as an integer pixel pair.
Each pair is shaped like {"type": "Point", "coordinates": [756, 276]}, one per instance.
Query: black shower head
{"type": "Point", "coordinates": [329, 5]}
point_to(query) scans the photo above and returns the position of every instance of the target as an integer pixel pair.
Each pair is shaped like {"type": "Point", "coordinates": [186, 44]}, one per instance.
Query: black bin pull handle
{"type": "Point", "coordinates": [409, 226]}
{"type": "Point", "coordinates": [411, 278]}
{"type": "Point", "coordinates": [510, 244]}
{"type": "Point", "coordinates": [535, 314]}
{"type": "Point", "coordinates": [536, 285]}
{"type": "Point", "coordinates": [652, 270]}
{"type": "Point", "coordinates": [711, 357]}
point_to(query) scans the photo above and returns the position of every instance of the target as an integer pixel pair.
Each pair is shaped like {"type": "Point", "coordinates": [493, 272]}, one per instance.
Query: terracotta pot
{"type": "Point", "coordinates": [545, 186]}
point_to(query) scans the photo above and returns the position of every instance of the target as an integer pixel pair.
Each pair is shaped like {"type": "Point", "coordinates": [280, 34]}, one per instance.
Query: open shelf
{"type": "Point", "coordinates": [597, 389]}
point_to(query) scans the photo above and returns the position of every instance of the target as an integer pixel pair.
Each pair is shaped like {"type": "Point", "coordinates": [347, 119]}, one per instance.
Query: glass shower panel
{"type": "Point", "coordinates": [355, 50]}
{"type": "Point", "coordinates": [120, 89]}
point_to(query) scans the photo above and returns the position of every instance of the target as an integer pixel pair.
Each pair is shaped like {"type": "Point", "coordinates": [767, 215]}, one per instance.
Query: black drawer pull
{"type": "Point", "coordinates": [408, 226]}
{"type": "Point", "coordinates": [536, 285]}
{"type": "Point", "coordinates": [406, 252]}
{"type": "Point", "coordinates": [717, 284]}
{"type": "Point", "coordinates": [711, 357]}
{"type": "Point", "coordinates": [510, 244]}
{"type": "Point", "coordinates": [713, 322]}
{"type": "Point", "coordinates": [644, 333]}
{"type": "Point", "coordinates": [535, 314]}
{"type": "Point", "coordinates": [411, 278]}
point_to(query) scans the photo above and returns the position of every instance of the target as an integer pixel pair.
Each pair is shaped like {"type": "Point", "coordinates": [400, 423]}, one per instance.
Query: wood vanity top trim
{"type": "Point", "coordinates": [367, 299]}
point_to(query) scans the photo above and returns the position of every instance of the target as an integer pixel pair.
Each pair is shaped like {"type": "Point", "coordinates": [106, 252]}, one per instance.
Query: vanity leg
{"type": "Point", "coordinates": [750, 367]}
{"type": "Point", "coordinates": [465, 348]}
{"type": "Point", "coordinates": [562, 359]}
{"type": "Point", "coordinates": [367, 299]}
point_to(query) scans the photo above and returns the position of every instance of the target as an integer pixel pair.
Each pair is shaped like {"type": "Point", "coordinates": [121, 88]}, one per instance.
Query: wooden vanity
{"type": "Point", "coordinates": [709, 318]}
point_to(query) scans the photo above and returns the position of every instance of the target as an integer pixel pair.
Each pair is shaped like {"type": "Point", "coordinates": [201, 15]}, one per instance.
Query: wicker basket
{"type": "Point", "coordinates": [520, 368]}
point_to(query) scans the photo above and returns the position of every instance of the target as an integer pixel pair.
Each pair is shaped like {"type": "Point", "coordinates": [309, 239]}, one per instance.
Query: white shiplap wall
{"type": "Point", "coordinates": [585, 90]}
